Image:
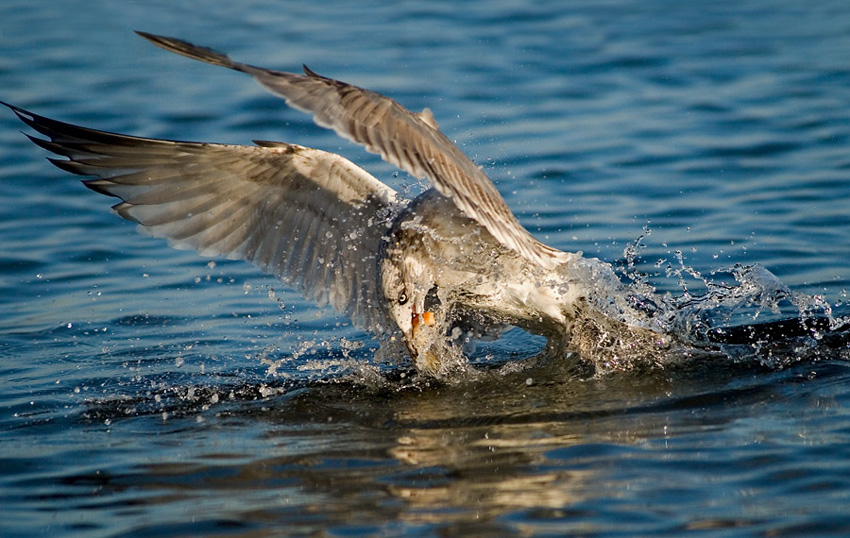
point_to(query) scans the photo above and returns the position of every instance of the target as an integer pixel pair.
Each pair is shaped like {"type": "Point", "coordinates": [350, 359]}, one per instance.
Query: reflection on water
{"type": "Point", "coordinates": [591, 455]}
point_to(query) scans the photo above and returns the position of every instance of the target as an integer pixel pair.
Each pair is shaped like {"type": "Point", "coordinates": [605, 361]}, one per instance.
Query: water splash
{"type": "Point", "coordinates": [743, 312]}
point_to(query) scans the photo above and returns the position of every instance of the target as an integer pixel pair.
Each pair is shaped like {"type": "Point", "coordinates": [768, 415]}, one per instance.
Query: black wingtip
{"type": "Point", "coordinates": [190, 50]}
{"type": "Point", "coordinates": [100, 186]}
{"type": "Point", "coordinates": [40, 142]}
{"type": "Point", "coordinates": [41, 124]}
{"type": "Point", "coordinates": [68, 166]}
{"type": "Point", "coordinates": [7, 105]}
{"type": "Point", "coordinates": [32, 120]}
{"type": "Point", "coordinates": [24, 115]}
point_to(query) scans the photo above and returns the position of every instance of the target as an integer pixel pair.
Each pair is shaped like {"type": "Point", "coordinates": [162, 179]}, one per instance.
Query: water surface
{"type": "Point", "coordinates": [150, 392]}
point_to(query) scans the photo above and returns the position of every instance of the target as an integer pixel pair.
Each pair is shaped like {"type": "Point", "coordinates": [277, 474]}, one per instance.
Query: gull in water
{"type": "Point", "coordinates": [451, 265]}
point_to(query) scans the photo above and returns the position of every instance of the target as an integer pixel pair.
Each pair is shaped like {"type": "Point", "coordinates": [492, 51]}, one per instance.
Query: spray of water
{"type": "Point", "coordinates": [743, 312]}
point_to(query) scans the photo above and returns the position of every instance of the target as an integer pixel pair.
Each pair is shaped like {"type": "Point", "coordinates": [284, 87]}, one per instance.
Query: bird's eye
{"type": "Point", "coordinates": [402, 298]}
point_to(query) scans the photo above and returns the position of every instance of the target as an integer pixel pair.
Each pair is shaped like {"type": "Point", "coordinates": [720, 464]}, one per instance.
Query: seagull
{"type": "Point", "coordinates": [450, 266]}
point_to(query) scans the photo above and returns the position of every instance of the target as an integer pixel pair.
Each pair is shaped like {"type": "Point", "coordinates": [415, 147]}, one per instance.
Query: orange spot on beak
{"type": "Point", "coordinates": [423, 319]}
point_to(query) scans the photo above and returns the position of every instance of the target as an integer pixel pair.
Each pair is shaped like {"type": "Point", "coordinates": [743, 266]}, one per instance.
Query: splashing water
{"type": "Point", "coordinates": [743, 314]}
{"type": "Point", "coordinates": [746, 313]}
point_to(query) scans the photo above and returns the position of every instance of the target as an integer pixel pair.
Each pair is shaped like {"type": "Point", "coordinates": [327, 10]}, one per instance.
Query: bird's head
{"type": "Point", "coordinates": [419, 320]}
{"type": "Point", "coordinates": [420, 327]}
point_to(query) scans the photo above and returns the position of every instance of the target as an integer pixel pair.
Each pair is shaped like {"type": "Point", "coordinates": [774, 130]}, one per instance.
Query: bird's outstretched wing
{"type": "Point", "coordinates": [312, 218]}
{"type": "Point", "coordinates": [413, 142]}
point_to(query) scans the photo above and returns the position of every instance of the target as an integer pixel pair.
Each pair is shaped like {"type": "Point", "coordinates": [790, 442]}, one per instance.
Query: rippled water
{"type": "Point", "coordinates": [150, 392]}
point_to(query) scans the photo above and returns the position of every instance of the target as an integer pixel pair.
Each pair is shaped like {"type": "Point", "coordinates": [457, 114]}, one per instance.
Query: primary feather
{"type": "Point", "coordinates": [410, 141]}
{"type": "Point", "coordinates": [312, 218]}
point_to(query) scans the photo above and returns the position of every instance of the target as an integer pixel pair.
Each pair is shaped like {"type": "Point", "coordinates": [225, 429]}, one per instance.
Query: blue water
{"type": "Point", "coordinates": [149, 392]}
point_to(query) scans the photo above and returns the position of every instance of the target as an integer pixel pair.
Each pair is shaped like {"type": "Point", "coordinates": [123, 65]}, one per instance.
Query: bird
{"type": "Point", "coordinates": [436, 272]}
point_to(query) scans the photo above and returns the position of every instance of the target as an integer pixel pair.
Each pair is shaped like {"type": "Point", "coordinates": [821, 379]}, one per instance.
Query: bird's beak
{"type": "Point", "coordinates": [421, 343]}
{"type": "Point", "coordinates": [425, 319]}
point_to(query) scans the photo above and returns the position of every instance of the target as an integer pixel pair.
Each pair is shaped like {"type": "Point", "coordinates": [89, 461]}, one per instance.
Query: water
{"type": "Point", "coordinates": [150, 392]}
